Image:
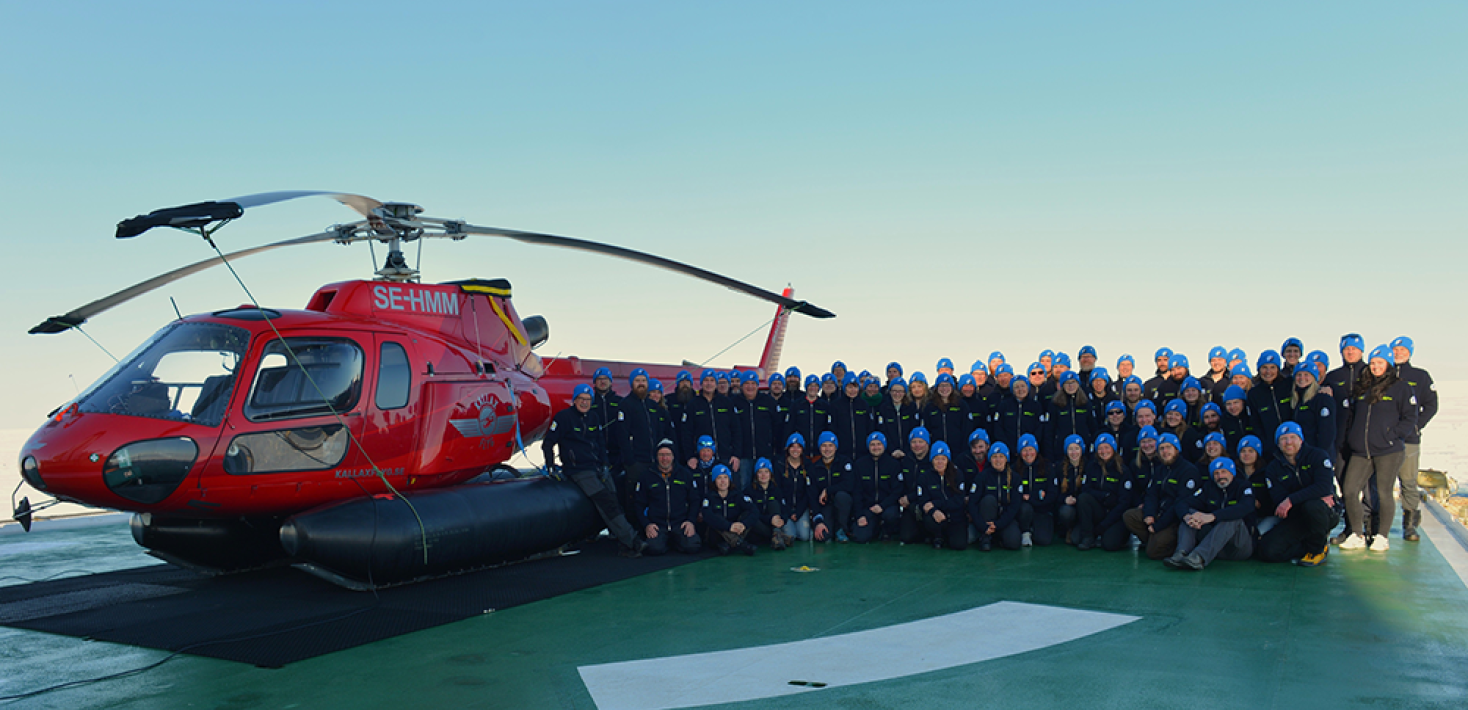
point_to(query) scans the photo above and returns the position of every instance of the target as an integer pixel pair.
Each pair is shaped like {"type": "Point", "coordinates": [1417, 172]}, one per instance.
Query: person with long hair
{"type": "Point", "coordinates": [940, 499]}
{"type": "Point", "coordinates": [1314, 410]}
{"type": "Point", "coordinates": [1172, 478]}
{"type": "Point", "coordinates": [1067, 474]}
{"type": "Point", "coordinates": [897, 417]}
{"type": "Point", "coordinates": [1269, 399]}
{"type": "Point", "coordinates": [1115, 423]}
{"type": "Point", "coordinates": [771, 509]}
{"type": "Point", "coordinates": [727, 514]}
{"type": "Point", "coordinates": [944, 414]}
{"type": "Point", "coordinates": [1249, 466]}
{"type": "Point", "coordinates": [1214, 447]}
{"type": "Point", "coordinates": [994, 502]}
{"type": "Point", "coordinates": [1174, 421]}
{"type": "Point", "coordinates": [1108, 492]}
{"type": "Point", "coordinates": [1192, 394]}
{"type": "Point", "coordinates": [1069, 413]}
{"type": "Point", "coordinates": [1098, 389]}
{"type": "Point", "coordinates": [852, 419]}
{"type": "Point", "coordinates": [1019, 414]}
{"type": "Point", "coordinates": [1235, 419]}
{"type": "Point", "coordinates": [917, 386]}
{"type": "Point", "coordinates": [794, 480]}
{"type": "Point", "coordinates": [1037, 495]}
{"type": "Point", "coordinates": [1383, 414]}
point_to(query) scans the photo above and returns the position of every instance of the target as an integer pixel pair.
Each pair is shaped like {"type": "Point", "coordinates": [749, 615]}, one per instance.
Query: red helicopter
{"type": "Point", "coordinates": [339, 437]}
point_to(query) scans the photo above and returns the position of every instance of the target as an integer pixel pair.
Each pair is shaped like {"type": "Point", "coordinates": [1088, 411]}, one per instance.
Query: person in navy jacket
{"type": "Point", "coordinates": [1383, 415]}
{"type": "Point", "coordinates": [1269, 399]}
{"type": "Point", "coordinates": [875, 485]}
{"type": "Point", "coordinates": [897, 417]}
{"type": "Point", "coordinates": [941, 501]}
{"type": "Point", "coordinates": [1066, 475]}
{"type": "Point", "coordinates": [1419, 382]}
{"type": "Point", "coordinates": [830, 497]}
{"type": "Point", "coordinates": [1155, 523]}
{"type": "Point", "coordinates": [910, 528]}
{"type": "Point", "coordinates": [810, 415]}
{"type": "Point", "coordinates": [1313, 410]}
{"type": "Point", "coordinates": [1108, 490]}
{"type": "Point", "coordinates": [1068, 413]}
{"type": "Point", "coordinates": [771, 508]}
{"type": "Point", "coordinates": [1302, 490]}
{"type": "Point", "coordinates": [727, 514]}
{"type": "Point", "coordinates": [1037, 493]}
{"type": "Point", "coordinates": [790, 472]}
{"type": "Point", "coordinates": [1019, 414]}
{"type": "Point", "coordinates": [1215, 520]}
{"type": "Point", "coordinates": [852, 418]}
{"type": "Point", "coordinates": [668, 501]}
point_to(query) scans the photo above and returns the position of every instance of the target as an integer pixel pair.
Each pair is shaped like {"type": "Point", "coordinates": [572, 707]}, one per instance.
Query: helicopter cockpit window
{"type": "Point", "coordinates": [185, 372]}
{"type": "Point", "coordinates": [305, 377]}
{"type": "Point", "coordinates": [394, 377]}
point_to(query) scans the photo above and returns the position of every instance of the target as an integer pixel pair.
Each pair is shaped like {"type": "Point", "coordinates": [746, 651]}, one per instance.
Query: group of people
{"type": "Point", "coordinates": [1230, 463]}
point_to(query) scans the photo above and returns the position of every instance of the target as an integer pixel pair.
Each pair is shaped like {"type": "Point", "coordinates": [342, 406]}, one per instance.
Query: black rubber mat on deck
{"type": "Point", "coordinates": [274, 617]}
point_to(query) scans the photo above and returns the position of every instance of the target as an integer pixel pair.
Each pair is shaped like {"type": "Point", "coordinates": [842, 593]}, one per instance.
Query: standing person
{"type": "Point", "coordinates": [780, 420]}
{"type": "Point", "coordinates": [1269, 398]}
{"type": "Point", "coordinates": [1235, 420]}
{"type": "Point", "coordinates": [1192, 395]}
{"type": "Point", "coordinates": [1069, 413]}
{"type": "Point", "coordinates": [1163, 361]}
{"type": "Point", "coordinates": [576, 433]}
{"type": "Point", "coordinates": [1383, 414]}
{"type": "Point", "coordinates": [1313, 410]}
{"type": "Point", "coordinates": [721, 383]}
{"type": "Point", "coordinates": [1018, 414]}
{"type": "Point", "coordinates": [1003, 378]}
{"type": "Point", "coordinates": [1424, 395]}
{"type": "Point", "coordinates": [1100, 393]}
{"type": "Point", "coordinates": [667, 503]}
{"type": "Point", "coordinates": [838, 372]}
{"type": "Point", "coordinates": [1341, 381]}
{"type": "Point", "coordinates": [981, 402]}
{"type": "Point", "coordinates": [1132, 390]}
{"type": "Point", "coordinates": [897, 417]}
{"type": "Point", "coordinates": [754, 417]}
{"type": "Point", "coordinates": [771, 509]}
{"type": "Point", "coordinates": [1170, 387]}
{"type": "Point", "coordinates": [605, 402]}
{"type": "Point", "coordinates": [872, 393]}
{"type": "Point", "coordinates": [917, 386]}
{"type": "Point", "coordinates": [1039, 379]}
{"type": "Point", "coordinates": [940, 499]}
{"type": "Point", "coordinates": [830, 495]}
{"type": "Point", "coordinates": [810, 415]}
{"type": "Point", "coordinates": [944, 414]}
{"type": "Point", "coordinates": [1108, 490]}
{"type": "Point", "coordinates": [894, 373]}
{"type": "Point", "coordinates": [996, 359]}
{"type": "Point", "coordinates": [1124, 366]}
{"type": "Point", "coordinates": [828, 387]}
{"type": "Point", "coordinates": [1217, 379]}
{"type": "Point", "coordinates": [1291, 352]}
{"type": "Point", "coordinates": [727, 514]}
{"type": "Point", "coordinates": [1239, 376]}
{"type": "Point", "coordinates": [876, 486]}
{"type": "Point", "coordinates": [1302, 489]}
{"type": "Point", "coordinates": [1236, 357]}
{"type": "Point", "coordinates": [1215, 520]}
{"type": "Point", "coordinates": [795, 482]}
{"type": "Point", "coordinates": [1086, 359]}
{"type": "Point", "coordinates": [944, 367]}
{"type": "Point", "coordinates": [851, 419]}
{"type": "Point", "coordinates": [710, 414]}
{"type": "Point", "coordinates": [1120, 428]}
{"type": "Point", "coordinates": [640, 425]}
{"type": "Point", "coordinates": [1067, 474]}
{"type": "Point", "coordinates": [1155, 524]}
{"type": "Point", "coordinates": [683, 393]}
{"type": "Point", "coordinates": [792, 382]}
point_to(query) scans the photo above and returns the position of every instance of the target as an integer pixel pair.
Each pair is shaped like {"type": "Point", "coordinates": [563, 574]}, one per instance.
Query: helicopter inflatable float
{"type": "Point", "coordinates": [352, 438]}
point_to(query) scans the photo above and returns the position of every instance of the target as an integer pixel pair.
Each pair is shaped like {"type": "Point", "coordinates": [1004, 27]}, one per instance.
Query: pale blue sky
{"type": "Point", "coordinates": [949, 178]}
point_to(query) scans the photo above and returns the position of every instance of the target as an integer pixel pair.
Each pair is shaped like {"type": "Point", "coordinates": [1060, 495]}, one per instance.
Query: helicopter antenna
{"type": "Point", "coordinates": [175, 308]}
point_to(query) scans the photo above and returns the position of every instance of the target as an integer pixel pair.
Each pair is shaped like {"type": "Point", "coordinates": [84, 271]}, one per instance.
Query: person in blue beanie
{"type": "Point", "coordinates": [876, 486]}
{"type": "Point", "coordinates": [1302, 489]}
{"type": "Point", "coordinates": [941, 503]}
{"type": "Point", "coordinates": [1019, 414]}
{"type": "Point", "coordinates": [1383, 413]}
{"type": "Point", "coordinates": [1108, 490]}
{"type": "Point", "coordinates": [897, 417]}
{"type": "Point", "coordinates": [810, 415]}
{"type": "Point", "coordinates": [914, 467]}
{"type": "Point", "coordinates": [944, 413]}
{"type": "Point", "coordinates": [829, 491]}
{"type": "Point", "coordinates": [1269, 398]}
{"type": "Point", "coordinates": [1215, 520]}
{"type": "Point", "coordinates": [1068, 413]}
{"type": "Point", "coordinates": [1424, 393]}
{"type": "Point", "coordinates": [726, 514]}
{"type": "Point", "coordinates": [1217, 379]}
{"type": "Point", "coordinates": [1155, 523]}
{"type": "Point", "coordinates": [852, 419]}
{"type": "Point", "coordinates": [794, 477]}
{"type": "Point", "coordinates": [1291, 353]}
{"type": "Point", "coordinates": [771, 508]}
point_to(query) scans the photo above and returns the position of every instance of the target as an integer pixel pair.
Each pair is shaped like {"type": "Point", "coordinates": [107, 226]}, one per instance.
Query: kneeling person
{"type": "Point", "coordinates": [667, 501]}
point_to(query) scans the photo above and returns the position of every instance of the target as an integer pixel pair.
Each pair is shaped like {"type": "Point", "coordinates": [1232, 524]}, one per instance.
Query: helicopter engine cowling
{"type": "Point", "coordinates": [372, 542]}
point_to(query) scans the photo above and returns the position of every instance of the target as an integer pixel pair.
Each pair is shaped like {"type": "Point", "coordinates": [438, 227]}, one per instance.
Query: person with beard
{"type": "Point", "coordinates": [576, 432]}
{"type": "Point", "coordinates": [668, 500]}
{"type": "Point", "coordinates": [1302, 488]}
{"type": "Point", "coordinates": [1217, 379]}
{"type": "Point", "coordinates": [1383, 414]}
{"type": "Point", "coordinates": [1066, 475]}
{"type": "Point", "coordinates": [1018, 415]}
{"type": "Point", "coordinates": [1086, 361]}
{"type": "Point", "coordinates": [1211, 420]}
{"type": "Point", "coordinates": [851, 419]}
{"type": "Point", "coordinates": [641, 423]}
{"type": "Point", "coordinates": [976, 461]}
{"type": "Point", "coordinates": [944, 414]}
{"type": "Point", "coordinates": [1172, 478]}
{"type": "Point", "coordinates": [1121, 429]}
{"type": "Point", "coordinates": [727, 513]}
{"type": "Point", "coordinates": [1003, 378]}
{"type": "Point", "coordinates": [1170, 387]}
{"type": "Point", "coordinates": [1037, 493]}
{"type": "Point", "coordinates": [1108, 490]}
{"type": "Point", "coordinates": [771, 508]}
{"type": "Point", "coordinates": [710, 414]}
{"type": "Point", "coordinates": [794, 480]}
{"type": "Point", "coordinates": [914, 466]}
{"type": "Point", "coordinates": [1163, 360]}
{"type": "Point", "coordinates": [1132, 391]}
{"type": "Point", "coordinates": [1215, 520]}
{"type": "Point", "coordinates": [1068, 413]}
{"type": "Point", "coordinates": [683, 392]}
{"type": "Point", "coordinates": [1269, 398]}
{"type": "Point", "coordinates": [875, 485]}
{"type": "Point", "coordinates": [1313, 410]}
{"type": "Point", "coordinates": [940, 500]}
{"type": "Point", "coordinates": [721, 380]}
{"type": "Point", "coordinates": [1124, 366]}
{"type": "Point", "coordinates": [1424, 395]}
{"type": "Point", "coordinates": [830, 497]}
{"type": "Point", "coordinates": [754, 417]}
{"type": "Point", "coordinates": [810, 414]}
{"type": "Point", "coordinates": [1058, 369]}
{"type": "Point", "coordinates": [792, 383]}
{"type": "Point", "coordinates": [898, 417]}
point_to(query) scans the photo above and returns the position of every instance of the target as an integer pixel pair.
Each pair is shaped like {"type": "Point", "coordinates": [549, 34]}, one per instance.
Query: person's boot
{"type": "Point", "coordinates": [747, 548]}
{"type": "Point", "coordinates": [721, 547]}
{"type": "Point", "coordinates": [1410, 519]}
{"type": "Point", "coordinates": [777, 541]}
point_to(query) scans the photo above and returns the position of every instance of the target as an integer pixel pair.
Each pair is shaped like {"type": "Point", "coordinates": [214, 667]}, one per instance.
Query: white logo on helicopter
{"type": "Point", "coordinates": [415, 300]}
{"type": "Point", "coordinates": [489, 421]}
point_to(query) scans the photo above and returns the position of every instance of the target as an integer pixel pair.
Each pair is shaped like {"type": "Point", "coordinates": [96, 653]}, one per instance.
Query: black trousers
{"type": "Point", "coordinates": [1302, 533]}
{"type": "Point", "coordinates": [1089, 515]}
{"type": "Point", "coordinates": [672, 538]}
{"type": "Point", "coordinates": [603, 495]}
{"type": "Point", "coordinates": [888, 522]}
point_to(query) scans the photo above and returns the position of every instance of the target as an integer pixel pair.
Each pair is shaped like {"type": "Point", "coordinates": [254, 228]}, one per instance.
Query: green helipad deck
{"type": "Point", "coordinates": [1367, 629]}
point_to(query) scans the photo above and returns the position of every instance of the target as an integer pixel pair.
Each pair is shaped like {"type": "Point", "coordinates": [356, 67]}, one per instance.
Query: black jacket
{"type": "Point", "coordinates": [758, 422]}
{"type": "Point", "coordinates": [721, 512]}
{"type": "Point", "coordinates": [851, 420]}
{"type": "Point", "coordinates": [712, 418]}
{"type": "Point", "coordinates": [1423, 392]}
{"type": "Point", "coordinates": [1014, 418]}
{"type": "Point", "coordinates": [579, 438]}
{"type": "Point", "coordinates": [667, 501]}
{"type": "Point", "coordinates": [809, 419]}
{"type": "Point", "coordinates": [1342, 381]}
{"type": "Point", "coordinates": [950, 424]}
{"type": "Point", "coordinates": [1236, 502]}
{"type": "Point", "coordinates": [1382, 417]}
{"type": "Point", "coordinates": [1269, 406]}
{"type": "Point", "coordinates": [897, 425]}
{"type": "Point", "coordinates": [769, 499]}
{"type": "Point", "coordinates": [1310, 477]}
{"type": "Point", "coordinates": [874, 481]}
{"type": "Point", "coordinates": [1073, 418]}
{"type": "Point", "coordinates": [1316, 418]}
{"type": "Point", "coordinates": [1168, 485]}
{"type": "Point", "coordinates": [640, 425]}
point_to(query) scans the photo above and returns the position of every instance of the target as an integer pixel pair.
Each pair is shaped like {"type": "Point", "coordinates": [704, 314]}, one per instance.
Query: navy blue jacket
{"type": "Point", "coordinates": [766, 498]}
{"type": "Point", "coordinates": [1424, 393]}
{"type": "Point", "coordinates": [579, 437]}
{"type": "Point", "coordinates": [874, 481]}
{"type": "Point", "coordinates": [1382, 427]}
{"type": "Point", "coordinates": [1316, 418]}
{"type": "Point", "coordinates": [1114, 487]}
{"type": "Point", "coordinates": [827, 477]}
{"type": "Point", "coordinates": [712, 418]}
{"type": "Point", "coordinates": [912, 469]}
{"type": "Point", "coordinates": [758, 423]}
{"type": "Point", "coordinates": [852, 420]}
{"type": "Point", "coordinates": [640, 425]}
{"type": "Point", "coordinates": [1168, 485]}
{"type": "Point", "coordinates": [1004, 486]}
{"type": "Point", "coordinates": [950, 424]}
{"type": "Point", "coordinates": [1342, 382]}
{"type": "Point", "coordinates": [1310, 477]}
{"type": "Point", "coordinates": [897, 425]}
{"type": "Point", "coordinates": [1014, 418]}
{"type": "Point", "coordinates": [721, 512]}
{"type": "Point", "coordinates": [1235, 429]}
{"type": "Point", "coordinates": [667, 501]}
{"type": "Point", "coordinates": [810, 419]}
{"type": "Point", "coordinates": [950, 499]}
{"type": "Point", "coordinates": [605, 405]}
{"type": "Point", "coordinates": [1066, 420]}
{"type": "Point", "coordinates": [1236, 502]}
{"type": "Point", "coordinates": [1269, 406]}
{"type": "Point", "coordinates": [795, 484]}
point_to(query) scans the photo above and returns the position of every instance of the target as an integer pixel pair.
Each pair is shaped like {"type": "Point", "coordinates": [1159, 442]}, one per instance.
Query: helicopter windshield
{"type": "Point", "coordinates": [185, 372]}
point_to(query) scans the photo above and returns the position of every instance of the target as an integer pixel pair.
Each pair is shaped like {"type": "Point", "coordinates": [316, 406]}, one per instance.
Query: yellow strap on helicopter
{"type": "Point", "coordinates": [520, 338]}
{"type": "Point", "coordinates": [480, 288]}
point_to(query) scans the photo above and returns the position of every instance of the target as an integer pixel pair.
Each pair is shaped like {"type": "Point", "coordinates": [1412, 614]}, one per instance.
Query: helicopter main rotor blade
{"type": "Point", "coordinates": [200, 214]}
{"type": "Point", "coordinates": [658, 261]}
{"type": "Point", "coordinates": [61, 323]}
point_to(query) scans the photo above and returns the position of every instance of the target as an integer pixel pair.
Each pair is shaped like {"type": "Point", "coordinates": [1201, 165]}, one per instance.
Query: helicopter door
{"type": "Point", "coordinates": [390, 430]}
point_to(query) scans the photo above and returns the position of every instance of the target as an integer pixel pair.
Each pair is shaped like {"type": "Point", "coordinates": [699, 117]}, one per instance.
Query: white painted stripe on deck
{"type": "Point", "coordinates": [1446, 543]}
{"type": "Point", "coordinates": [978, 634]}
